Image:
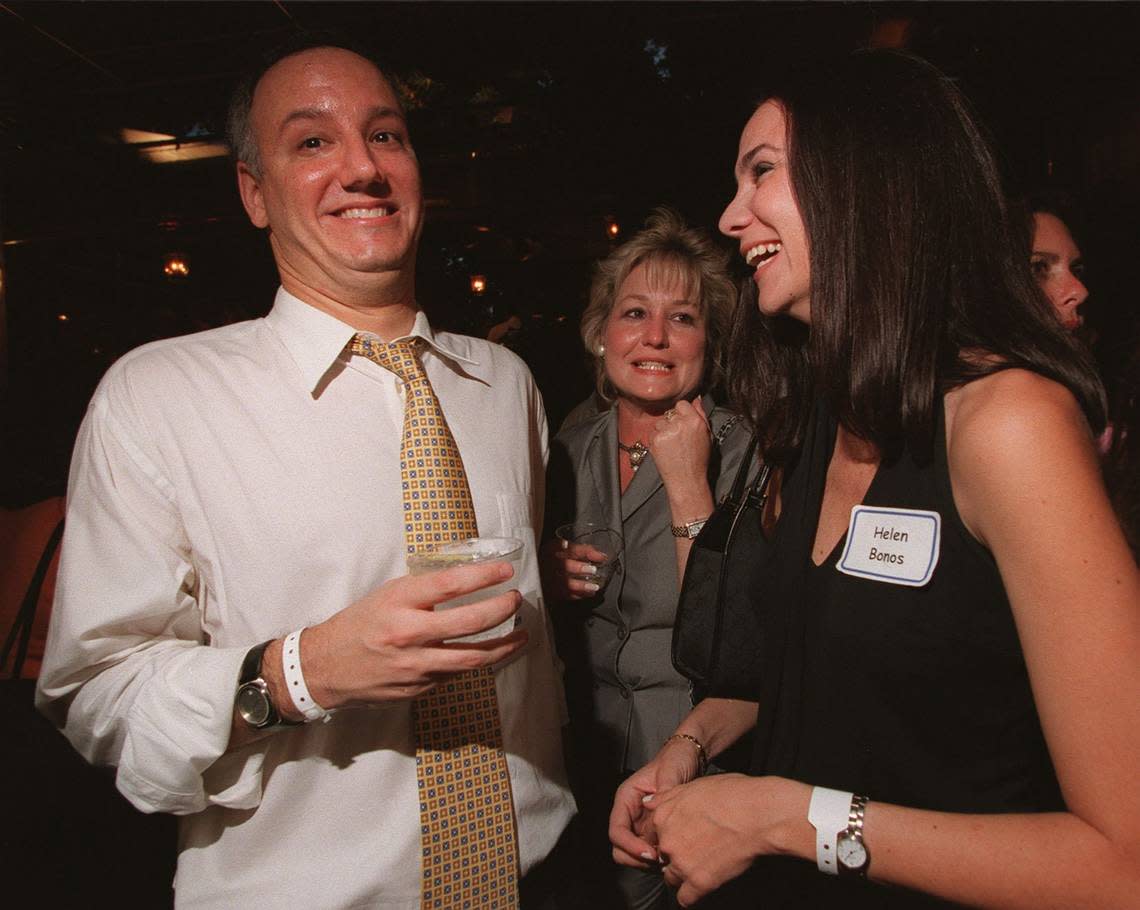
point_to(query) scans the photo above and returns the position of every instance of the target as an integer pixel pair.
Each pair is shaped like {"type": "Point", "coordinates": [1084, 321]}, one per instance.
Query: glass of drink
{"type": "Point", "coordinates": [470, 552]}
{"type": "Point", "coordinates": [595, 544]}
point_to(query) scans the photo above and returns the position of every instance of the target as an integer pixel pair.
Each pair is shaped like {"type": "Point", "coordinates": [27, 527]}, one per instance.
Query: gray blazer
{"type": "Point", "coordinates": [624, 696]}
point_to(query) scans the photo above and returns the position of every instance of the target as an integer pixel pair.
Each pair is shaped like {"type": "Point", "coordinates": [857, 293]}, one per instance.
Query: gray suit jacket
{"type": "Point", "coordinates": [623, 693]}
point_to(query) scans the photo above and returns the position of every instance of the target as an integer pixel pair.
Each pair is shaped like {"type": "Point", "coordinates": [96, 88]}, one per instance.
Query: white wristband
{"type": "Point", "coordinates": [295, 680]}
{"type": "Point", "coordinates": [828, 812]}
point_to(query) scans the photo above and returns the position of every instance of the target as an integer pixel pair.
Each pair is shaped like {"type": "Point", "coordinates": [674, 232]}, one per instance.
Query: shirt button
{"type": "Point", "coordinates": [624, 692]}
{"type": "Point", "coordinates": [590, 621]}
{"type": "Point", "coordinates": [623, 633]}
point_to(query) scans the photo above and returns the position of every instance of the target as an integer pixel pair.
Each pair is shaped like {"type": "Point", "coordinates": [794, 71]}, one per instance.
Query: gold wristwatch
{"type": "Point", "coordinates": [690, 529]}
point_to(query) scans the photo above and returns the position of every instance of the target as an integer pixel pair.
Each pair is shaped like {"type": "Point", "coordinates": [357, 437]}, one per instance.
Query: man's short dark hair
{"type": "Point", "coordinates": [239, 125]}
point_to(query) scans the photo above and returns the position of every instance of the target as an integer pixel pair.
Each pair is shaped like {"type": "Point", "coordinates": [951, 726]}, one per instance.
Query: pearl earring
{"type": "Point", "coordinates": [601, 350]}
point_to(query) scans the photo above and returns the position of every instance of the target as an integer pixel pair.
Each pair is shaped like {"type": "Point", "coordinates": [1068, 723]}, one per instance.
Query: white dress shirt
{"type": "Point", "coordinates": [230, 487]}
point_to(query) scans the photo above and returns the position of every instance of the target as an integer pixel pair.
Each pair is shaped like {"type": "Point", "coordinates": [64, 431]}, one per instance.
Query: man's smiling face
{"type": "Point", "coordinates": [339, 184]}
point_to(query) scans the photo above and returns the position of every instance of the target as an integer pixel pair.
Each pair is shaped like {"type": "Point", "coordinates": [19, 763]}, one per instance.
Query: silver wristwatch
{"type": "Point", "coordinates": [850, 851]}
{"type": "Point", "coordinates": [252, 700]}
{"type": "Point", "coordinates": [690, 529]}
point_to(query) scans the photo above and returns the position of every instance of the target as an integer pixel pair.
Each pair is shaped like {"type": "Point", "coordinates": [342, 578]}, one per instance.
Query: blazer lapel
{"type": "Point", "coordinates": [645, 483]}
{"type": "Point", "coordinates": [601, 463]}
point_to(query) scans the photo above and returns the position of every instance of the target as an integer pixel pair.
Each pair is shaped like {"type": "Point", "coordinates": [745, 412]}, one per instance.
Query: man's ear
{"type": "Point", "coordinates": [250, 189]}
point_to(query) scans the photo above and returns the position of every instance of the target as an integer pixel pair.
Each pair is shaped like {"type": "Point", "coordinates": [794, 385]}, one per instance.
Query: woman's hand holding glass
{"type": "Point", "coordinates": [568, 570]}
{"type": "Point", "coordinates": [579, 561]}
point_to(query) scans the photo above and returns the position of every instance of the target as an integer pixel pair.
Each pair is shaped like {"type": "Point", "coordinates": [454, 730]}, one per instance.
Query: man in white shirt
{"type": "Point", "coordinates": [231, 487]}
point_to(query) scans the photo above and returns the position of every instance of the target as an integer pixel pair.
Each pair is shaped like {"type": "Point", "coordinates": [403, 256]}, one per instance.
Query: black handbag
{"type": "Point", "coordinates": [716, 633]}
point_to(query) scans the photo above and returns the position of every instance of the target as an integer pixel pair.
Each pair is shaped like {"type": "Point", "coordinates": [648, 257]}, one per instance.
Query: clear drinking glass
{"type": "Point", "coordinates": [593, 543]}
{"type": "Point", "coordinates": [470, 552]}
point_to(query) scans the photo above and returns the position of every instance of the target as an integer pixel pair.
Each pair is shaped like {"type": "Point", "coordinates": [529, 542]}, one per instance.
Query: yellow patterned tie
{"type": "Point", "coordinates": [467, 825]}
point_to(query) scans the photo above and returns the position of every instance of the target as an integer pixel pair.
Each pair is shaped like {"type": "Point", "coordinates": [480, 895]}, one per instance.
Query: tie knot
{"type": "Point", "coordinates": [399, 357]}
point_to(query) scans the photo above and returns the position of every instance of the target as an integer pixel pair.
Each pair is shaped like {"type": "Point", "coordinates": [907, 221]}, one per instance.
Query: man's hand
{"type": "Point", "coordinates": [390, 644]}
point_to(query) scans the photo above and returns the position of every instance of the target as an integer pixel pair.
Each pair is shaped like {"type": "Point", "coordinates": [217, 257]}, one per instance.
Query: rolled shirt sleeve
{"type": "Point", "coordinates": [126, 675]}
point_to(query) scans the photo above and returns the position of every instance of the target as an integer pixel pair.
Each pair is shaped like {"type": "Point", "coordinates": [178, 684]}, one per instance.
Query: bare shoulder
{"type": "Point", "coordinates": [1011, 407]}
{"type": "Point", "coordinates": [1011, 436]}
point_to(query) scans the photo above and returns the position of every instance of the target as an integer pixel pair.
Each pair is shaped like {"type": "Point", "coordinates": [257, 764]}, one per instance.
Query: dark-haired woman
{"type": "Point", "coordinates": [951, 643]}
{"type": "Point", "coordinates": [1057, 265]}
{"type": "Point", "coordinates": [1044, 222]}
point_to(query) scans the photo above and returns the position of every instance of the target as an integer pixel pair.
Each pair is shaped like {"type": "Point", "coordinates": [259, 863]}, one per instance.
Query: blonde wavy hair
{"type": "Point", "coordinates": [671, 251]}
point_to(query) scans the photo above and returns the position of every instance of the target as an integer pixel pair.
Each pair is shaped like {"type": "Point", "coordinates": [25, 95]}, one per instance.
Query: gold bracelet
{"type": "Point", "coordinates": [702, 755]}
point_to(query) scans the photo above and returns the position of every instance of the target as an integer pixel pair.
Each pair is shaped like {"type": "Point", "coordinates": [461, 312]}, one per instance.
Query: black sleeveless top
{"type": "Point", "coordinates": [914, 696]}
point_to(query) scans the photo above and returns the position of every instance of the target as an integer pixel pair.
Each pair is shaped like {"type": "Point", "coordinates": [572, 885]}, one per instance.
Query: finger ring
{"type": "Point", "coordinates": [670, 414]}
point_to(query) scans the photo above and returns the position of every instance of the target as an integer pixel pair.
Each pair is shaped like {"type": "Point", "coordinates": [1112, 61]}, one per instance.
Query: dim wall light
{"type": "Point", "coordinates": [162, 148]}
{"type": "Point", "coordinates": [478, 284]}
{"type": "Point", "coordinates": [176, 265]}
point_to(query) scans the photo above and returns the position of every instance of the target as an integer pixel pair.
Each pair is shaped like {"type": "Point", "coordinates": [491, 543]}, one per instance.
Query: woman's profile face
{"type": "Point", "coordinates": [654, 340]}
{"type": "Point", "coordinates": [1058, 268]}
{"type": "Point", "coordinates": [764, 219]}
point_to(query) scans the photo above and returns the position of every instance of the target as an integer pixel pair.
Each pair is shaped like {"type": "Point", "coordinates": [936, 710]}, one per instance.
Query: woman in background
{"type": "Point", "coordinates": [648, 466]}
{"type": "Point", "coordinates": [1055, 258]}
{"type": "Point", "coordinates": [951, 620]}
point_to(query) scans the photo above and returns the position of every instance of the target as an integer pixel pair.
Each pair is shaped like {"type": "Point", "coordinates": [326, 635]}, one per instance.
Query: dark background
{"type": "Point", "coordinates": [537, 126]}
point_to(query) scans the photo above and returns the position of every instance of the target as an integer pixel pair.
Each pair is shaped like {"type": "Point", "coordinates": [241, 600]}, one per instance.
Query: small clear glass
{"type": "Point", "coordinates": [470, 552]}
{"type": "Point", "coordinates": [605, 548]}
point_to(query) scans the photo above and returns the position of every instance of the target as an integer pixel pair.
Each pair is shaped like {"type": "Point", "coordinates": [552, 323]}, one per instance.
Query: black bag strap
{"type": "Point", "coordinates": [22, 627]}
{"type": "Point", "coordinates": [736, 492]}
{"type": "Point", "coordinates": [758, 492]}
{"type": "Point", "coordinates": [739, 499]}
{"type": "Point", "coordinates": [756, 497]}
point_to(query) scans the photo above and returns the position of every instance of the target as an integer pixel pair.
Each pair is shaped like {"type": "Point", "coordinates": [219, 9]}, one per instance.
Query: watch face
{"type": "Point", "coordinates": [850, 852]}
{"type": "Point", "coordinates": [253, 704]}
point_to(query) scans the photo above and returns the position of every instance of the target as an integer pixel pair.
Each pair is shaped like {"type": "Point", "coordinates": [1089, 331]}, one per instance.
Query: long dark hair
{"type": "Point", "coordinates": [917, 284]}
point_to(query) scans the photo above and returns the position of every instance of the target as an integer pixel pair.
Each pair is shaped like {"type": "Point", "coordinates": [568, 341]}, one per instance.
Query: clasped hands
{"type": "Point", "coordinates": [701, 832]}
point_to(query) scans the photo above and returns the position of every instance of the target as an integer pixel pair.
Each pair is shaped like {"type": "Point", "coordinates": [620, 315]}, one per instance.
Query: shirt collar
{"type": "Point", "coordinates": [316, 341]}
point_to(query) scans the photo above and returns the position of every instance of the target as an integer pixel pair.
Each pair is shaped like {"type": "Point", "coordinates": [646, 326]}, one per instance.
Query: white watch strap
{"type": "Point", "coordinates": [295, 680]}
{"type": "Point", "coordinates": [828, 812]}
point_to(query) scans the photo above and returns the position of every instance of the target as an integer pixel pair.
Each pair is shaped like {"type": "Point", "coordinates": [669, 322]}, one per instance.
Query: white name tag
{"type": "Point", "coordinates": [897, 546]}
